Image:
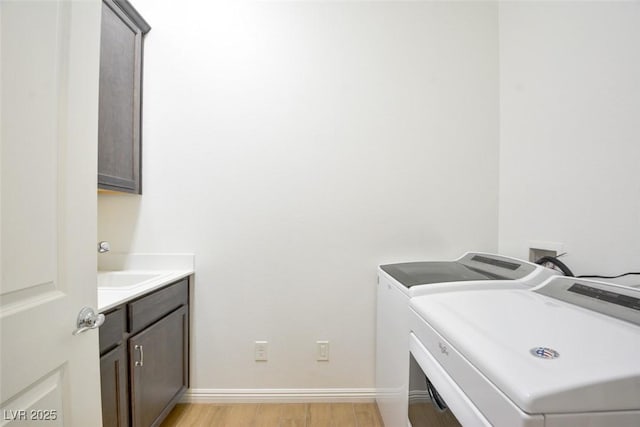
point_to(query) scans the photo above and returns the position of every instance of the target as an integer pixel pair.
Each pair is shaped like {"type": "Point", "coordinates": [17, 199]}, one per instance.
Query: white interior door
{"type": "Point", "coordinates": [49, 125]}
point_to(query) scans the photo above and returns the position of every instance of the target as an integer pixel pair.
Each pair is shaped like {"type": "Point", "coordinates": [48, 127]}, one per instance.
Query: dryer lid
{"type": "Point", "coordinates": [589, 359]}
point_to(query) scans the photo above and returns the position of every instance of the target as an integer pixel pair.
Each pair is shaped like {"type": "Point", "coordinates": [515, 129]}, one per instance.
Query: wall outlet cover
{"type": "Point", "coordinates": [322, 351]}
{"type": "Point", "coordinates": [261, 351]}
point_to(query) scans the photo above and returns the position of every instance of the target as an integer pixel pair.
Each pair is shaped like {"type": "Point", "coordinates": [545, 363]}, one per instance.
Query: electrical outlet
{"type": "Point", "coordinates": [261, 351]}
{"type": "Point", "coordinates": [322, 350]}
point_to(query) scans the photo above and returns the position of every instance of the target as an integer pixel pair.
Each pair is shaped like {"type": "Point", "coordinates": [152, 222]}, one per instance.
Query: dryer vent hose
{"type": "Point", "coordinates": [435, 396]}
{"type": "Point", "coordinates": [555, 264]}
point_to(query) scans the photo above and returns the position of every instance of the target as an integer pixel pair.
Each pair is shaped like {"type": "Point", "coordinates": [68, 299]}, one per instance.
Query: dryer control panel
{"type": "Point", "coordinates": [617, 301]}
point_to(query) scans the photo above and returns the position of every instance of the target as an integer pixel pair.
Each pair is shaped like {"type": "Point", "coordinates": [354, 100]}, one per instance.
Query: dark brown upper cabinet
{"type": "Point", "coordinates": [120, 108]}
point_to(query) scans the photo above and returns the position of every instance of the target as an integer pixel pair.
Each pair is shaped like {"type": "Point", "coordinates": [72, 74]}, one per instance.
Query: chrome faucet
{"type": "Point", "coordinates": [104, 247]}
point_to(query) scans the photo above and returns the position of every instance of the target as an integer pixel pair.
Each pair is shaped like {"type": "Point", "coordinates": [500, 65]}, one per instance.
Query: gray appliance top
{"type": "Point", "coordinates": [473, 266]}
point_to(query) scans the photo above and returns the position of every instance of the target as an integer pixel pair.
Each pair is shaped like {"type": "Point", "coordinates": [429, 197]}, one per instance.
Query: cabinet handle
{"type": "Point", "coordinates": [141, 362]}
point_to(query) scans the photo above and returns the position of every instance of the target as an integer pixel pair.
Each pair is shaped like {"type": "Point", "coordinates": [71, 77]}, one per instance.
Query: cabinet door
{"type": "Point", "coordinates": [114, 387]}
{"type": "Point", "coordinates": [159, 368]}
{"type": "Point", "coordinates": [120, 101]}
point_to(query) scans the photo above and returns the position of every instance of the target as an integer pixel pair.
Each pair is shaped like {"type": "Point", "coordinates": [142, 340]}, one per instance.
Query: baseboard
{"type": "Point", "coordinates": [279, 395]}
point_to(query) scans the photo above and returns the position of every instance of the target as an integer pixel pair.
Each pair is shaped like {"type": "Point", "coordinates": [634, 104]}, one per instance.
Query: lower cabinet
{"type": "Point", "coordinates": [158, 368]}
{"type": "Point", "coordinates": [144, 363]}
{"type": "Point", "coordinates": [115, 389]}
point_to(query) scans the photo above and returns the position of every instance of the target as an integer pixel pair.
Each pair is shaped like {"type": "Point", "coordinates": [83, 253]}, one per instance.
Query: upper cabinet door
{"type": "Point", "coordinates": [120, 111]}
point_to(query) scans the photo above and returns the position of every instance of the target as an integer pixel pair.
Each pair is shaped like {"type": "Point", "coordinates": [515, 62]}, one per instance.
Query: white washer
{"type": "Point", "coordinates": [397, 283]}
{"type": "Point", "coordinates": [564, 354]}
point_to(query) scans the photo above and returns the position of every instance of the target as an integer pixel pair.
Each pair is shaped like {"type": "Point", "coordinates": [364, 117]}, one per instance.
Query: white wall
{"type": "Point", "coordinates": [569, 131]}
{"type": "Point", "coordinates": [293, 147]}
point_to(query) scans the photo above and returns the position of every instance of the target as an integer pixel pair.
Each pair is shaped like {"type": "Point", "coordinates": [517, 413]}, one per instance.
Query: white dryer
{"type": "Point", "coordinates": [564, 354]}
{"type": "Point", "coordinates": [397, 283]}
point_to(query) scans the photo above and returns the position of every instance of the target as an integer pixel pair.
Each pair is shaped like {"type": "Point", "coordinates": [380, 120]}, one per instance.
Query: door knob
{"type": "Point", "coordinates": [88, 319]}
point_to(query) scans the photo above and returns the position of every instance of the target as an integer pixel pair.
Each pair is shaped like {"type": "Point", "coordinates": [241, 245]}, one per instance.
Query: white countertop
{"type": "Point", "coordinates": [109, 298]}
{"type": "Point", "coordinates": [124, 277]}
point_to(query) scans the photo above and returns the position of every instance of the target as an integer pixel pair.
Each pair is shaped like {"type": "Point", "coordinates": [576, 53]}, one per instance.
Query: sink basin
{"type": "Point", "coordinates": [124, 279]}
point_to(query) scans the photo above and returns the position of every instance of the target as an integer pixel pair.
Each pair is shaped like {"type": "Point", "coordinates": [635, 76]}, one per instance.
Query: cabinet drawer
{"type": "Point", "coordinates": [112, 330]}
{"type": "Point", "coordinates": [150, 308]}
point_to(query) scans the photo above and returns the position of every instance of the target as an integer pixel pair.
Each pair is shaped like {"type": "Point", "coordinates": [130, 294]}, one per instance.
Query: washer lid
{"type": "Point", "coordinates": [590, 361]}
{"type": "Point", "coordinates": [471, 267]}
{"type": "Point", "coordinates": [424, 273]}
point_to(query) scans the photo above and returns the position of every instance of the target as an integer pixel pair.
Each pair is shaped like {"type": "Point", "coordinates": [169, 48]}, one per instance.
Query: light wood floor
{"type": "Point", "coordinates": [298, 415]}
{"type": "Point", "coordinates": [275, 415]}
